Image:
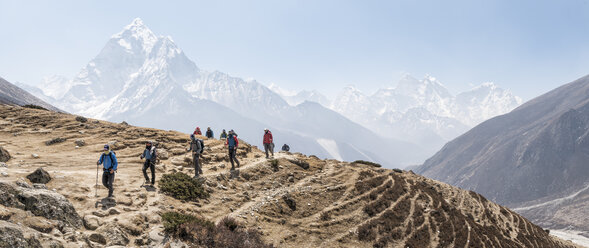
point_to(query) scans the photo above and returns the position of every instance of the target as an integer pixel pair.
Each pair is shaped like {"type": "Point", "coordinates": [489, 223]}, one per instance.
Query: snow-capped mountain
{"type": "Point", "coordinates": [296, 98]}
{"type": "Point", "coordinates": [147, 80]}
{"type": "Point", "coordinates": [423, 111]}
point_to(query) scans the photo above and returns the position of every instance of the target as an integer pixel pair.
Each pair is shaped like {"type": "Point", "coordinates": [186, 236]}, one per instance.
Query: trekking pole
{"type": "Point", "coordinates": [96, 185]}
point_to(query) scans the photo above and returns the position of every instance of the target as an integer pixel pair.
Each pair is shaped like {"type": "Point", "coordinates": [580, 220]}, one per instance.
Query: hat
{"type": "Point", "coordinates": [192, 136]}
{"type": "Point", "coordinates": [265, 129]}
{"type": "Point", "coordinates": [106, 147]}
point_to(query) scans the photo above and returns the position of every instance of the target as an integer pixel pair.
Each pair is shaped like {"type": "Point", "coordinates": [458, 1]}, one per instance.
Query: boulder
{"type": "Point", "coordinates": [91, 222]}
{"type": "Point", "coordinates": [38, 223]}
{"type": "Point", "coordinates": [4, 155]}
{"type": "Point", "coordinates": [39, 176]}
{"type": "Point", "coordinates": [113, 234]}
{"type": "Point", "coordinates": [40, 202]}
{"type": "Point", "coordinates": [11, 235]}
{"type": "Point", "coordinates": [300, 163]}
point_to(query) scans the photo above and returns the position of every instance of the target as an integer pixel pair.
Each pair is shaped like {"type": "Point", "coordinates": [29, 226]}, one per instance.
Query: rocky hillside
{"type": "Point", "coordinates": [293, 201]}
{"type": "Point", "coordinates": [13, 95]}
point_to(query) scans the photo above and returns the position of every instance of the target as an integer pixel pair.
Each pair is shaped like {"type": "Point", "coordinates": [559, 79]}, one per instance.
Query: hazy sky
{"type": "Point", "coordinates": [529, 47]}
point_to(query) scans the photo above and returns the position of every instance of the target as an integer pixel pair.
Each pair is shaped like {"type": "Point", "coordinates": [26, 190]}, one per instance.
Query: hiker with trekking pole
{"type": "Point", "coordinates": [108, 159]}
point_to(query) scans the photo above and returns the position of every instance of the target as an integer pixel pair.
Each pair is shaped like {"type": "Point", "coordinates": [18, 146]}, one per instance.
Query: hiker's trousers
{"type": "Point", "coordinates": [151, 165]}
{"type": "Point", "coordinates": [269, 147]}
{"type": "Point", "coordinates": [108, 180]}
{"type": "Point", "coordinates": [196, 163]}
{"type": "Point", "coordinates": [232, 157]}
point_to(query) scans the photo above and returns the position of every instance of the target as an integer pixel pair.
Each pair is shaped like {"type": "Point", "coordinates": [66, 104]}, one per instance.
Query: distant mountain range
{"type": "Point", "coordinates": [147, 80]}
{"type": "Point", "coordinates": [533, 159]}
{"type": "Point", "coordinates": [423, 111]}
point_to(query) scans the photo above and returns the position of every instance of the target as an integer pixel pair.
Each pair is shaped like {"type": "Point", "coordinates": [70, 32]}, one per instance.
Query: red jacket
{"type": "Point", "coordinates": [197, 131]}
{"type": "Point", "coordinates": [268, 138]}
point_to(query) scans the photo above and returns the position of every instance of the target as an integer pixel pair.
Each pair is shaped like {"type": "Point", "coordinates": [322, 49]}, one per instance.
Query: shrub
{"type": "Point", "coordinates": [201, 232]}
{"type": "Point", "coordinates": [81, 119]}
{"type": "Point", "coordinates": [173, 220]}
{"type": "Point", "coordinates": [325, 216]}
{"type": "Point", "coordinates": [274, 163]}
{"type": "Point", "coordinates": [32, 106]}
{"type": "Point", "coordinates": [367, 163]}
{"type": "Point", "coordinates": [54, 141]}
{"type": "Point", "coordinates": [182, 187]}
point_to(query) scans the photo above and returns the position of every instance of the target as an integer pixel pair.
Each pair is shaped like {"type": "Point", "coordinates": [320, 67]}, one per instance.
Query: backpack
{"type": "Point", "coordinates": [202, 145]}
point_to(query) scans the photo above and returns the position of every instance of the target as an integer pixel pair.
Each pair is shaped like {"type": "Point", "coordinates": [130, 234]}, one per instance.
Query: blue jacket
{"type": "Point", "coordinates": [149, 154]}
{"type": "Point", "coordinates": [232, 141]}
{"type": "Point", "coordinates": [108, 161]}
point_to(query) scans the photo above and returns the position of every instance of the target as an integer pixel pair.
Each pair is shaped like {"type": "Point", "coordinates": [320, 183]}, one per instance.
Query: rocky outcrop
{"type": "Point", "coordinates": [11, 235]}
{"type": "Point", "coordinates": [40, 202]}
{"type": "Point", "coordinates": [39, 176]}
{"type": "Point", "coordinates": [4, 155]}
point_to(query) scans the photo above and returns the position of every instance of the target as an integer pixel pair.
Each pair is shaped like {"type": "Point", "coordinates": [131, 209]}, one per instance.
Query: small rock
{"type": "Point", "coordinates": [113, 211]}
{"type": "Point", "coordinates": [291, 179]}
{"type": "Point", "coordinates": [4, 155]}
{"type": "Point", "coordinates": [39, 176]}
{"type": "Point", "coordinates": [39, 186]}
{"type": "Point", "coordinates": [80, 142]}
{"type": "Point", "coordinates": [124, 123]}
{"type": "Point", "coordinates": [290, 202]}
{"type": "Point", "coordinates": [98, 238]}
{"type": "Point", "coordinates": [22, 183]}
{"type": "Point", "coordinates": [2, 164]}
{"type": "Point", "coordinates": [4, 174]}
{"type": "Point", "coordinates": [35, 156]}
{"type": "Point", "coordinates": [398, 170]}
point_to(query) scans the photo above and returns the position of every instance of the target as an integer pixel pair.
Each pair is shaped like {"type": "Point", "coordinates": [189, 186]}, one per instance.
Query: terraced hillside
{"type": "Point", "coordinates": [293, 201]}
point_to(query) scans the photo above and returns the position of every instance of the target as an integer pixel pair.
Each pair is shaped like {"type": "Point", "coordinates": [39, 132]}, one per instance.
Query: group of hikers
{"type": "Point", "coordinates": [109, 162]}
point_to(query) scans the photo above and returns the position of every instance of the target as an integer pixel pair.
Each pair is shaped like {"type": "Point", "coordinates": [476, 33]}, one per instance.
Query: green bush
{"type": "Point", "coordinates": [31, 106]}
{"type": "Point", "coordinates": [200, 232]}
{"type": "Point", "coordinates": [173, 220]}
{"type": "Point", "coordinates": [274, 163]}
{"type": "Point", "coordinates": [182, 187]}
{"type": "Point", "coordinates": [367, 163]}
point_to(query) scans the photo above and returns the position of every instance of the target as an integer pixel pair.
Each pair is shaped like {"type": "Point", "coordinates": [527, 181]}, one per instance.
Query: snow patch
{"type": "Point", "coordinates": [331, 147]}
{"type": "Point", "coordinates": [571, 235]}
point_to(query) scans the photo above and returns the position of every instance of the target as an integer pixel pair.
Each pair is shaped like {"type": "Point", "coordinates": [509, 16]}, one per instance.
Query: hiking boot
{"type": "Point", "coordinates": [146, 182]}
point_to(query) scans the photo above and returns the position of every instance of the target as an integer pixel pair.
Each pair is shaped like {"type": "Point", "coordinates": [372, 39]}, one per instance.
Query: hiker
{"type": "Point", "coordinates": [268, 142]}
{"type": "Point", "coordinates": [285, 148]}
{"type": "Point", "coordinates": [108, 159]}
{"type": "Point", "coordinates": [209, 133]}
{"type": "Point", "coordinates": [223, 135]}
{"type": "Point", "coordinates": [150, 156]}
{"type": "Point", "coordinates": [232, 143]}
{"type": "Point", "coordinates": [196, 146]}
{"type": "Point", "coordinates": [197, 131]}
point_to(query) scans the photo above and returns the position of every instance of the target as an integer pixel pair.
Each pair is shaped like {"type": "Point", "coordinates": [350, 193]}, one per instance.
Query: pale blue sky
{"type": "Point", "coordinates": [529, 47]}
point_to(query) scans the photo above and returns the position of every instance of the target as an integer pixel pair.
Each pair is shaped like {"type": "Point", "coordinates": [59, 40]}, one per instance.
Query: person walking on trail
{"type": "Point", "coordinates": [285, 148]}
{"type": "Point", "coordinates": [196, 146]}
{"type": "Point", "coordinates": [268, 142]}
{"type": "Point", "coordinates": [223, 135]}
{"type": "Point", "coordinates": [197, 131]}
{"type": "Point", "coordinates": [108, 159]}
{"type": "Point", "coordinates": [232, 143]}
{"type": "Point", "coordinates": [150, 157]}
{"type": "Point", "coordinates": [209, 133]}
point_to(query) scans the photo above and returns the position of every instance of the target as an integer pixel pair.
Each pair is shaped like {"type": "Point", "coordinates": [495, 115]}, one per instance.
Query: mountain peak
{"type": "Point", "coordinates": [136, 32]}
